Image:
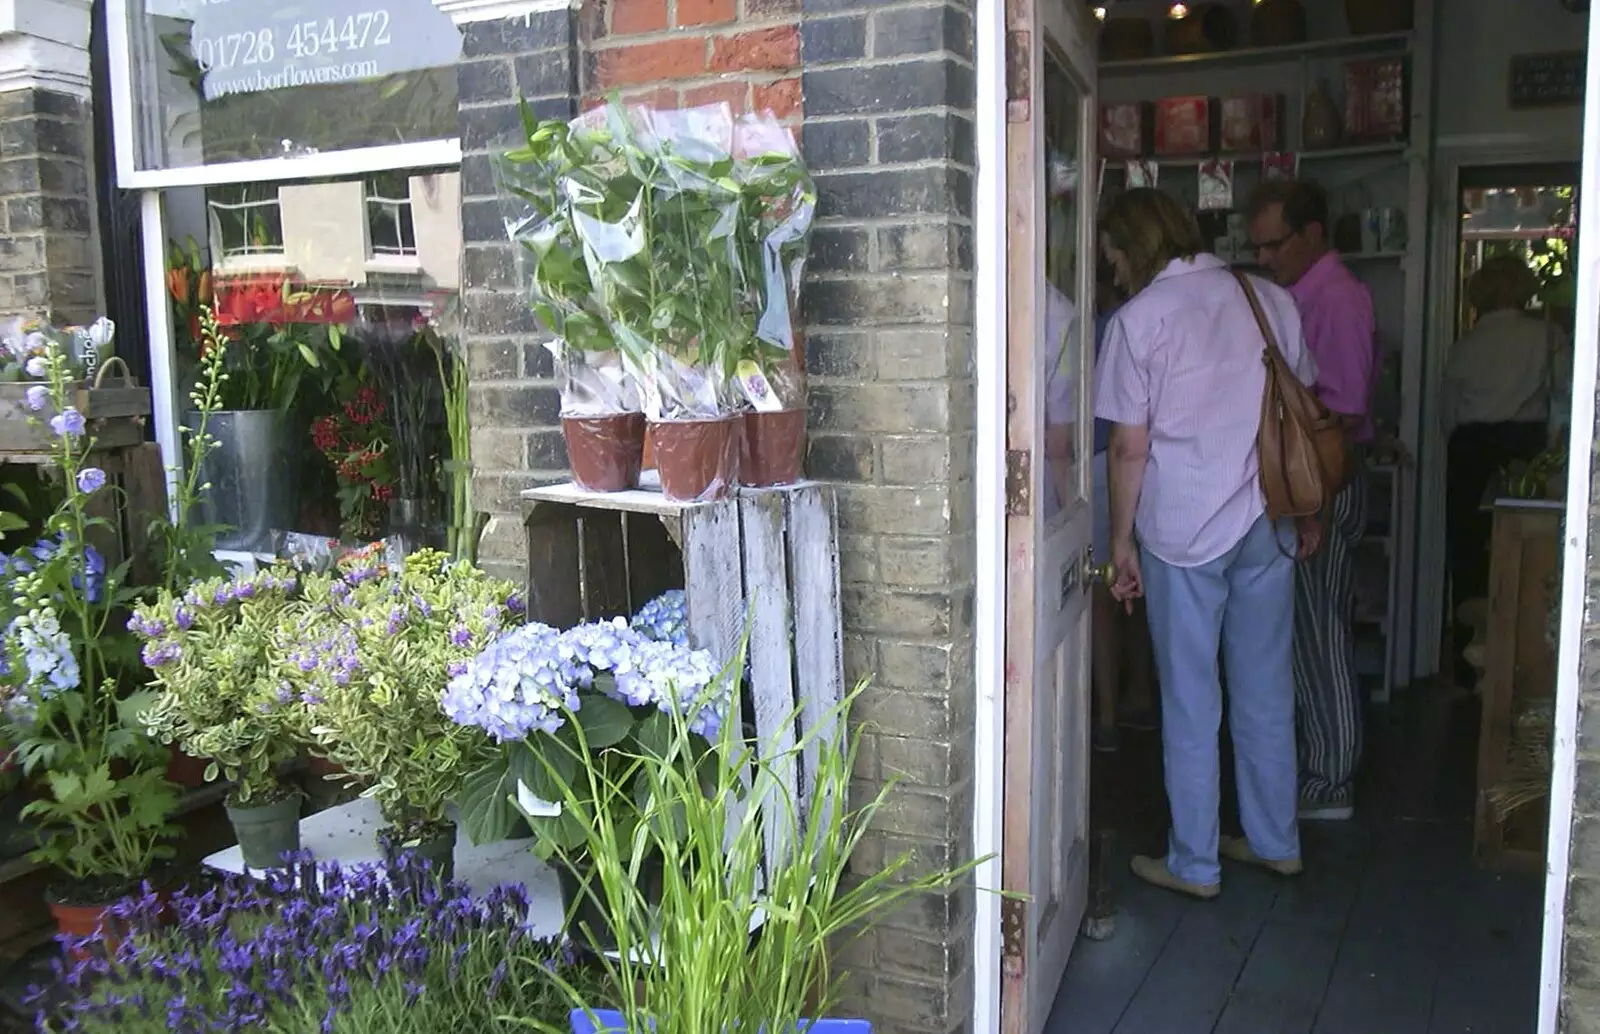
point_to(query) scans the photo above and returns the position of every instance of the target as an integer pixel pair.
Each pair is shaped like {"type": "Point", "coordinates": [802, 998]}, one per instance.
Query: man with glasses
{"type": "Point", "coordinates": [1289, 228]}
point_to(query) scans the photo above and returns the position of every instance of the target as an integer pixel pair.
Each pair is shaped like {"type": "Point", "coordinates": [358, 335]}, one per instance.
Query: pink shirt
{"type": "Point", "coordinates": [1183, 359]}
{"type": "Point", "coordinates": [1336, 310]}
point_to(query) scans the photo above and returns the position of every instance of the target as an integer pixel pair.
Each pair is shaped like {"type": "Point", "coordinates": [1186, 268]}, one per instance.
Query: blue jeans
{"type": "Point", "coordinates": [1241, 606]}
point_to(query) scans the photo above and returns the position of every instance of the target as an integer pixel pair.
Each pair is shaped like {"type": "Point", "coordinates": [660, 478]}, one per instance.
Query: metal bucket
{"type": "Point", "coordinates": [251, 473]}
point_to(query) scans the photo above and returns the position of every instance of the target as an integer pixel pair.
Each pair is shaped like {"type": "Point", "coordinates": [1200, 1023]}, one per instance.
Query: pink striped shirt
{"type": "Point", "coordinates": [1336, 311]}
{"type": "Point", "coordinates": [1183, 359]}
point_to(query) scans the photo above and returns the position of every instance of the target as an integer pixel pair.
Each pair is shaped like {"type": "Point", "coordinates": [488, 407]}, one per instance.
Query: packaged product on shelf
{"type": "Point", "coordinates": [1183, 126]}
{"type": "Point", "coordinates": [1216, 185]}
{"type": "Point", "coordinates": [1250, 122]}
{"type": "Point", "coordinates": [1374, 100]}
{"type": "Point", "coordinates": [1125, 129]}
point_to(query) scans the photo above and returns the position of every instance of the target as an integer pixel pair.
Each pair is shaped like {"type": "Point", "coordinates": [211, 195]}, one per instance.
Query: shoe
{"type": "Point", "coordinates": [1238, 849]}
{"type": "Point", "coordinates": [1316, 811]}
{"type": "Point", "coordinates": [1154, 871]}
{"type": "Point", "coordinates": [1105, 739]}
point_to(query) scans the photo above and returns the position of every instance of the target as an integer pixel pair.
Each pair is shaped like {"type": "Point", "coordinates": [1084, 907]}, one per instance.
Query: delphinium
{"type": "Point", "coordinates": [370, 653]}
{"type": "Point", "coordinates": [214, 669]}
{"type": "Point", "coordinates": [316, 948]}
{"type": "Point", "coordinates": [565, 700]}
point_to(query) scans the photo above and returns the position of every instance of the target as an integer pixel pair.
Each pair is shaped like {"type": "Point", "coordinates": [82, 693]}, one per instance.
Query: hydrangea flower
{"type": "Point", "coordinates": [665, 618]}
{"type": "Point", "coordinates": [518, 685]}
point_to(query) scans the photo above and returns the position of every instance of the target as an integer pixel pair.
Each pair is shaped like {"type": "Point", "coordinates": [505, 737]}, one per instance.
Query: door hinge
{"type": "Point", "coordinates": [1019, 75]}
{"type": "Point", "coordinates": [1014, 935]}
{"type": "Point", "coordinates": [1019, 482]}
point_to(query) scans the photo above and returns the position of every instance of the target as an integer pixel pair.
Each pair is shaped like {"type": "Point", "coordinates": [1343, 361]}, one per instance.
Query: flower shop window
{"type": "Point", "coordinates": [343, 411]}
{"type": "Point", "coordinates": [207, 83]}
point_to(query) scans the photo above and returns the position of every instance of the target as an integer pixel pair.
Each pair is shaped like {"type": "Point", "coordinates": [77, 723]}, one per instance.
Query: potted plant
{"type": "Point", "coordinates": [587, 697]}
{"type": "Point", "coordinates": [277, 334]}
{"type": "Point", "coordinates": [217, 696]}
{"type": "Point", "coordinates": [602, 416]}
{"type": "Point", "coordinates": [97, 386]}
{"type": "Point", "coordinates": [320, 947]}
{"type": "Point", "coordinates": [101, 817]}
{"type": "Point", "coordinates": [759, 885]}
{"type": "Point", "coordinates": [358, 442]}
{"type": "Point", "coordinates": [370, 653]}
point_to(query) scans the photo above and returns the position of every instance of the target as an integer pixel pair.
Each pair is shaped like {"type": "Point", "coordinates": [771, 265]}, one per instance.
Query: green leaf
{"type": "Point", "coordinates": [309, 356]}
{"type": "Point", "coordinates": [605, 722]}
{"type": "Point", "coordinates": [654, 735]}
{"type": "Point", "coordinates": [485, 802]}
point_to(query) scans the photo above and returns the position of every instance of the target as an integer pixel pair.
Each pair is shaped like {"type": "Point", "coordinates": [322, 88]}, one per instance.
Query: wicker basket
{"type": "Point", "coordinates": [1277, 23]}
{"type": "Point", "coordinates": [1207, 29]}
{"type": "Point", "coordinates": [1376, 17]}
{"type": "Point", "coordinates": [1126, 39]}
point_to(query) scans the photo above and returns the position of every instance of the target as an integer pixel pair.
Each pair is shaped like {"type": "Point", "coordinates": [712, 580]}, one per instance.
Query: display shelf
{"type": "Point", "coordinates": [1343, 46]}
{"type": "Point", "coordinates": [1398, 147]}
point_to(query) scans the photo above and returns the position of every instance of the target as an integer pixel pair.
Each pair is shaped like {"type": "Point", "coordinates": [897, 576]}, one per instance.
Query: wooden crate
{"type": "Point", "coordinates": [1518, 671]}
{"type": "Point", "coordinates": [115, 412]}
{"type": "Point", "coordinates": [766, 559]}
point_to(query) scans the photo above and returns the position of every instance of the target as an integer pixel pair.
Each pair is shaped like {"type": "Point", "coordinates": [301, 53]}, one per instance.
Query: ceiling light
{"type": "Point", "coordinates": [1100, 12]}
{"type": "Point", "coordinates": [1177, 11]}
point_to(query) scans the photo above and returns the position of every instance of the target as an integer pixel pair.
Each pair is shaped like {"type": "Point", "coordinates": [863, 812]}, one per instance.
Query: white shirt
{"type": "Point", "coordinates": [1183, 359]}
{"type": "Point", "coordinates": [1500, 371]}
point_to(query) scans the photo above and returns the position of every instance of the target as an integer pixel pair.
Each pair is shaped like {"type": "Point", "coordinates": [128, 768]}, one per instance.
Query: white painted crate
{"type": "Point", "coordinates": [769, 556]}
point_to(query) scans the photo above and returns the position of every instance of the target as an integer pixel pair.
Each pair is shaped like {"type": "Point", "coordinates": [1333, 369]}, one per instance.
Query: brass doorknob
{"type": "Point", "coordinates": [1105, 573]}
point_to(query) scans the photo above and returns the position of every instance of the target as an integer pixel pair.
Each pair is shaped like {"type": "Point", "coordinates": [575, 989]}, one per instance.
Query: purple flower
{"type": "Point", "coordinates": [38, 396]}
{"type": "Point", "coordinates": [91, 480]}
{"type": "Point", "coordinates": [67, 423]}
{"type": "Point", "coordinates": [37, 367]}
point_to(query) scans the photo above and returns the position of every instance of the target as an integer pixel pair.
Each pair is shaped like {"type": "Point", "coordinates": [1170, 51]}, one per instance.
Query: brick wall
{"type": "Point", "coordinates": [48, 252]}
{"type": "Point", "coordinates": [1580, 990]}
{"type": "Point", "coordinates": [888, 134]}
{"type": "Point", "coordinates": [513, 404]}
{"type": "Point", "coordinates": [882, 94]}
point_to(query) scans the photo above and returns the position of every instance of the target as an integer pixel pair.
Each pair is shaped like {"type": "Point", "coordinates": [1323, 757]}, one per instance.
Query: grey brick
{"type": "Point", "coordinates": [478, 176]}
{"type": "Point", "coordinates": [922, 30]}
{"type": "Point", "coordinates": [872, 300]}
{"type": "Point", "coordinates": [483, 222]}
{"type": "Point", "coordinates": [838, 355]}
{"type": "Point", "coordinates": [489, 265]}
{"type": "Point", "coordinates": [840, 457]}
{"type": "Point", "coordinates": [878, 89]}
{"type": "Point", "coordinates": [892, 408]}
{"type": "Point", "coordinates": [830, 40]}
{"type": "Point", "coordinates": [484, 81]}
{"type": "Point", "coordinates": [537, 360]}
{"type": "Point", "coordinates": [20, 175]}
{"type": "Point", "coordinates": [498, 126]}
{"type": "Point", "coordinates": [521, 405]}
{"type": "Point", "coordinates": [67, 138]}
{"type": "Point", "coordinates": [922, 246]}
{"type": "Point", "coordinates": [539, 31]}
{"type": "Point", "coordinates": [916, 138]}
{"type": "Point", "coordinates": [833, 145]}
{"type": "Point", "coordinates": [63, 176]}
{"type": "Point", "coordinates": [547, 450]}
{"type": "Point", "coordinates": [492, 360]}
{"type": "Point", "coordinates": [840, 249]}
{"type": "Point", "coordinates": [497, 313]}
{"type": "Point", "coordinates": [549, 74]}
{"type": "Point", "coordinates": [938, 190]}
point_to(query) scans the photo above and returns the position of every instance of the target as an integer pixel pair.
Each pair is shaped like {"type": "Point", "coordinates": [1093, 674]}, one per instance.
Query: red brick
{"type": "Point", "coordinates": [633, 16]}
{"type": "Point", "coordinates": [736, 94]}
{"type": "Point", "coordinates": [764, 50]}
{"type": "Point", "coordinates": [660, 97]}
{"type": "Point", "coordinates": [782, 98]}
{"type": "Point", "coordinates": [650, 62]}
{"type": "Point", "coordinates": [706, 12]}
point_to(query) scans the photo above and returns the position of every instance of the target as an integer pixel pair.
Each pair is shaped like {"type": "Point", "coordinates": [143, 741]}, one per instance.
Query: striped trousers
{"type": "Point", "coordinates": [1327, 694]}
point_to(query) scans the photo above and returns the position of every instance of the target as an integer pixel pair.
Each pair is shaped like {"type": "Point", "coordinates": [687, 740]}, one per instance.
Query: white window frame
{"type": "Point", "coordinates": [401, 261]}
{"type": "Point", "coordinates": [250, 258]}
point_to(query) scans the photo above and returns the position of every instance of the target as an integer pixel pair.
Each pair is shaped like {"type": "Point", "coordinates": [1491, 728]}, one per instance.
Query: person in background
{"type": "Point", "coordinates": [1121, 639]}
{"type": "Point", "coordinates": [1289, 228]}
{"type": "Point", "coordinates": [1181, 380]}
{"type": "Point", "coordinates": [1507, 393]}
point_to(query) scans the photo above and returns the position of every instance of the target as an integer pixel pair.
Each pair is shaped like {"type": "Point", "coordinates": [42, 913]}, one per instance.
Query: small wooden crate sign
{"type": "Point", "coordinates": [765, 559]}
{"type": "Point", "coordinates": [115, 411]}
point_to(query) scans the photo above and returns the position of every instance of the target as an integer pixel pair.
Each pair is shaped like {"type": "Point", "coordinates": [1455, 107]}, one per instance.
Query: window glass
{"type": "Point", "coordinates": [236, 80]}
{"type": "Point", "coordinates": [336, 300]}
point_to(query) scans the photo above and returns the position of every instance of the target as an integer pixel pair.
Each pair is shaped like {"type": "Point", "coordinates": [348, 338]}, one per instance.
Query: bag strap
{"type": "Point", "coordinates": [1273, 351]}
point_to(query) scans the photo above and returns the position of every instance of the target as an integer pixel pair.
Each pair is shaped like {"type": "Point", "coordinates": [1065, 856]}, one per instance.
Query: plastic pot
{"type": "Point", "coordinates": [583, 902]}
{"type": "Point", "coordinates": [698, 459]}
{"type": "Point", "coordinates": [774, 448]}
{"type": "Point", "coordinates": [605, 451]}
{"type": "Point", "coordinates": [266, 832]}
{"type": "Point", "coordinates": [438, 850]}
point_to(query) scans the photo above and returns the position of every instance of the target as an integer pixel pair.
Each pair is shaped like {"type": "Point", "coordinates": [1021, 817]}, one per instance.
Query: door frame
{"type": "Point", "coordinates": [991, 323]}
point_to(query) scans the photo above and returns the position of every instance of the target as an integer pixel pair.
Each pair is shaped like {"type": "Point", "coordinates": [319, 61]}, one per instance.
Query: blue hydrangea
{"type": "Point", "coordinates": [665, 618]}
{"type": "Point", "coordinates": [676, 680]}
{"type": "Point", "coordinates": [518, 685]}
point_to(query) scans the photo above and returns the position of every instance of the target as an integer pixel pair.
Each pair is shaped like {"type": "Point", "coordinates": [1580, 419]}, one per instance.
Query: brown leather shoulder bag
{"type": "Point", "coordinates": [1303, 456]}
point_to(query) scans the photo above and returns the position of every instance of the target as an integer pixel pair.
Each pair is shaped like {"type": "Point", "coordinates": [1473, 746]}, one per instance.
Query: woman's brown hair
{"type": "Point", "coordinates": [1502, 282]}
{"type": "Point", "coordinates": [1151, 228]}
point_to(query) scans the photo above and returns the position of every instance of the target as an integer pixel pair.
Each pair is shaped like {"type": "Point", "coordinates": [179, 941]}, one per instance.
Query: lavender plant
{"type": "Point", "coordinates": [317, 948]}
{"type": "Point", "coordinates": [563, 700]}
{"type": "Point", "coordinates": [369, 653]}
{"type": "Point", "coordinates": [219, 694]}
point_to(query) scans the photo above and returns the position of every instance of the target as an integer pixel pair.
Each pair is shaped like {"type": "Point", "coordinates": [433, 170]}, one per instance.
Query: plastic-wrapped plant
{"type": "Point", "coordinates": [316, 948]}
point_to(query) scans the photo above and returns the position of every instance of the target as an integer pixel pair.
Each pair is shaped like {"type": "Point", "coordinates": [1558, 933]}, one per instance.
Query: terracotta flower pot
{"type": "Point", "coordinates": [605, 451]}
{"type": "Point", "coordinates": [185, 770]}
{"type": "Point", "coordinates": [774, 448]}
{"type": "Point", "coordinates": [698, 459]}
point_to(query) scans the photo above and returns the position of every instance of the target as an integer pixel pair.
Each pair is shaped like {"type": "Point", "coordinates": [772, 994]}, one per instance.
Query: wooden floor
{"type": "Point", "coordinates": [1391, 930]}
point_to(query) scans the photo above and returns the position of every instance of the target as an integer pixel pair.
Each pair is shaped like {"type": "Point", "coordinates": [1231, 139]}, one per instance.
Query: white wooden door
{"type": "Point", "coordinates": [1052, 183]}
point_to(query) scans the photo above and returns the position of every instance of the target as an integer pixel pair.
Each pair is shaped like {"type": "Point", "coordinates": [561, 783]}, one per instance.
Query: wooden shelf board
{"type": "Point", "coordinates": [1343, 46]}
{"type": "Point", "coordinates": [1396, 147]}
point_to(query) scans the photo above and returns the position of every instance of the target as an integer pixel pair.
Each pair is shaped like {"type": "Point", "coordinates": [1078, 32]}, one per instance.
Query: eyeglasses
{"type": "Point", "coordinates": [1274, 245]}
